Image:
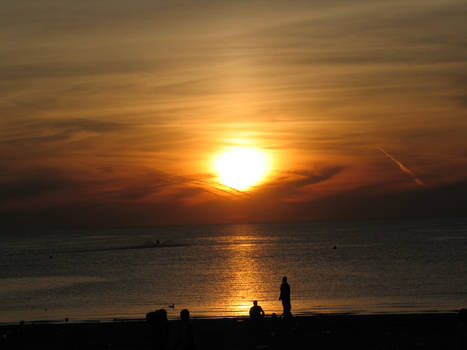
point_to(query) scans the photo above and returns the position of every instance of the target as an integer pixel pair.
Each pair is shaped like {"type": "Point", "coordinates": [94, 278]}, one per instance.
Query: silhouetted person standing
{"type": "Point", "coordinates": [285, 297]}
{"type": "Point", "coordinates": [186, 339]}
{"type": "Point", "coordinates": [462, 330]}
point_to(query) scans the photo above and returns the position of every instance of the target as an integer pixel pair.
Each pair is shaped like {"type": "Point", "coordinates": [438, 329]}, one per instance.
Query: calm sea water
{"type": "Point", "coordinates": [216, 271]}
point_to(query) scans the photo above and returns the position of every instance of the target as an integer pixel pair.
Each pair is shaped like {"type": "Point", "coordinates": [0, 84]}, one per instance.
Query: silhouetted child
{"type": "Point", "coordinates": [285, 297]}
{"type": "Point", "coordinates": [186, 339]}
{"type": "Point", "coordinates": [159, 326]}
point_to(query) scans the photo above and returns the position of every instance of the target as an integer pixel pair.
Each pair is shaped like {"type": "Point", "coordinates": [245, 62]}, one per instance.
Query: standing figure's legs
{"type": "Point", "coordinates": [286, 307]}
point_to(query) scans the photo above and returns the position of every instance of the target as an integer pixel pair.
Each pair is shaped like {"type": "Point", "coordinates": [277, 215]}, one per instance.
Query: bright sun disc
{"type": "Point", "coordinates": [241, 168]}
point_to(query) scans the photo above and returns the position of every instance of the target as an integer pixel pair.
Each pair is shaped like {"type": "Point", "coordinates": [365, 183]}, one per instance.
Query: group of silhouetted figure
{"type": "Point", "coordinates": [256, 311]}
{"type": "Point", "coordinates": [160, 331]}
{"type": "Point", "coordinates": [258, 331]}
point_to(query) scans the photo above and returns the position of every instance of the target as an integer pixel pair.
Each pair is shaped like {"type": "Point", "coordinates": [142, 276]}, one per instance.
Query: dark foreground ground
{"type": "Point", "coordinates": [424, 331]}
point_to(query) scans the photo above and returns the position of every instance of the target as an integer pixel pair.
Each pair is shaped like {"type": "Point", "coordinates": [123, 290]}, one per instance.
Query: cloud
{"type": "Point", "coordinates": [462, 100]}
{"type": "Point", "coordinates": [296, 185]}
{"type": "Point", "coordinates": [88, 205]}
{"type": "Point", "coordinates": [369, 202]}
{"type": "Point", "coordinates": [53, 130]}
{"type": "Point", "coordinates": [30, 187]}
{"type": "Point", "coordinates": [301, 178]}
{"type": "Point", "coordinates": [56, 187]}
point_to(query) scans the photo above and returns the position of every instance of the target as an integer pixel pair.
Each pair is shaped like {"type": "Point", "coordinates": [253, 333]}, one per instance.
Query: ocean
{"type": "Point", "coordinates": [395, 266]}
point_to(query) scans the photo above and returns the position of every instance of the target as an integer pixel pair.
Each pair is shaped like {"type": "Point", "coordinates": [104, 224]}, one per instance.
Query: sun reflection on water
{"type": "Point", "coordinates": [247, 280]}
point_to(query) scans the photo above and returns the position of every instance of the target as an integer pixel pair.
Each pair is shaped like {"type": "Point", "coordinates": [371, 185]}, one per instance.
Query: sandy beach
{"type": "Point", "coordinates": [386, 331]}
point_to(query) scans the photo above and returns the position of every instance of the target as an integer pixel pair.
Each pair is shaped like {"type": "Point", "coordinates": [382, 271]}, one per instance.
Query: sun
{"type": "Point", "coordinates": [241, 167]}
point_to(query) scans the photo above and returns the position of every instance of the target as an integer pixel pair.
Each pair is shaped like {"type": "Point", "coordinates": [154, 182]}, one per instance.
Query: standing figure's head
{"type": "Point", "coordinates": [284, 279]}
{"type": "Point", "coordinates": [184, 315]}
{"type": "Point", "coordinates": [255, 302]}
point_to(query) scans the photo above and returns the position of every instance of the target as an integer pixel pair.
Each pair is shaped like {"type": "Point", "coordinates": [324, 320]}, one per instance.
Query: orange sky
{"type": "Point", "coordinates": [111, 111]}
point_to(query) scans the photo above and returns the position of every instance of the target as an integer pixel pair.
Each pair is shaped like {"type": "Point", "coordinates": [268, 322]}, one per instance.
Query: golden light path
{"type": "Point", "coordinates": [241, 167]}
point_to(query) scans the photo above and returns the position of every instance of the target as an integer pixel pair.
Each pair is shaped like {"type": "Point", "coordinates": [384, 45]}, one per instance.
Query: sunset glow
{"type": "Point", "coordinates": [258, 163]}
{"type": "Point", "coordinates": [241, 168]}
{"type": "Point", "coordinates": [306, 105]}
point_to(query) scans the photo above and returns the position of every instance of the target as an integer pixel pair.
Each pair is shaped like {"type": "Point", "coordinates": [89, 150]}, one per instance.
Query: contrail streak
{"type": "Point", "coordinates": [403, 168]}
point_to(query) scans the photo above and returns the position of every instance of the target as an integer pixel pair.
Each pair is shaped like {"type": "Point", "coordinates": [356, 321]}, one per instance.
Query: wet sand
{"type": "Point", "coordinates": [388, 331]}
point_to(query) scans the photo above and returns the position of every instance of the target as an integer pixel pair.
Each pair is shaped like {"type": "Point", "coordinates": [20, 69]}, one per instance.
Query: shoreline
{"type": "Point", "coordinates": [331, 331]}
{"type": "Point", "coordinates": [222, 317]}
